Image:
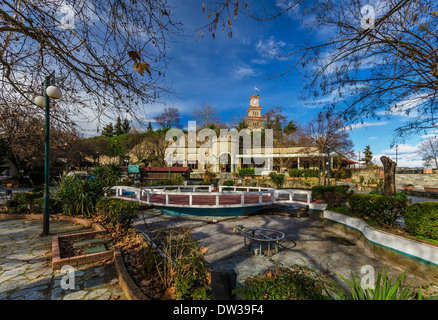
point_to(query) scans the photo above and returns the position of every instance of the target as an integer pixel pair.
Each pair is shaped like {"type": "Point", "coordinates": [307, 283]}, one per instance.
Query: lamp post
{"type": "Point", "coordinates": [50, 92]}
{"type": "Point", "coordinates": [328, 166]}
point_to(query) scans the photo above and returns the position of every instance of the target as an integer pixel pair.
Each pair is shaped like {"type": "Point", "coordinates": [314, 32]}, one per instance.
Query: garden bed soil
{"type": "Point", "coordinates": [69, 247]}
{"type": "Point", "coordinates": [132, 246]}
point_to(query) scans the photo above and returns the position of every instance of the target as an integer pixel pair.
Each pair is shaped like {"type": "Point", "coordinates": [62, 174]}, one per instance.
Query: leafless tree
{"type": "Point", "coordinates": [327, 131]}
{"type": "Point", "coordinates": [169, 118]}
{"type": "Point", "coordinates": [109, 57]}
{"type": "Point", "coordinates": [24, 135]}
{"type": "Point", "coordinates": [207, 116]}
{"type": "Point", "coordinates": [428, 149]}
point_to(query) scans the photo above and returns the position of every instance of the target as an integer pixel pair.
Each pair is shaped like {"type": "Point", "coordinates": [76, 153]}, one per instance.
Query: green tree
{"type": "Point", "coordinates": [118, 129]}
{"type": "Point", "coordinates": [108, 130]}
{"type": "Point", "coordinates": [149, 129]}
{"type": "Point", "coordinates": [126, 126]}
{"type": "Point", "coordinates": [368, 156]}
{"type": "Point", "coordinates": [291, 128]}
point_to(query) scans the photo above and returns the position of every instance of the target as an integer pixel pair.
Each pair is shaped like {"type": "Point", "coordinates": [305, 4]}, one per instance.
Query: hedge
{"type": "Point", "coordinates": [305, 173]}
{"type": "Point", "coordinates": [110, 209]}
{"type": "Point", "coordinates": [246, 172]}
{"type": "Point", "coordinates": [421, 219]}
{"type": "Point", "coordinates": [228, 183]}
{"type": "Point", "coordinates": [384, 210]}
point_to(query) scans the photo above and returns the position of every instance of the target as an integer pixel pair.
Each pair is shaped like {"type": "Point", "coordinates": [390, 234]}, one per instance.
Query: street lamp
{"type": "Point", "coordinates": [328, 166]}
{"type": "Point", "coordinates": [44, 102]}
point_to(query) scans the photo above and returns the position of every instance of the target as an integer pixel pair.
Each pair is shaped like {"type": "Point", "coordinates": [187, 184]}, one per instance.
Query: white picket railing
{"type": "Point", "coordinates": [143, 195]}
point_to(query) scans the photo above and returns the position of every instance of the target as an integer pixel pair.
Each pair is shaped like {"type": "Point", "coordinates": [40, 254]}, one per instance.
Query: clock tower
{"type": "Point", "coordinates": [254, 119]}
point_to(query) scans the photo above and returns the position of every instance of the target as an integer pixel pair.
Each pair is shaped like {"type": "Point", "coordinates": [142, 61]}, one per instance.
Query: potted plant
{"type": "Point", "coordinates": [408, 187]}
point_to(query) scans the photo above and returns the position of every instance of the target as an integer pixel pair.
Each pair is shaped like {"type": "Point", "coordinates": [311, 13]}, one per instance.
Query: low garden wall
{"type": "Point", "coordinates": [401, 244]}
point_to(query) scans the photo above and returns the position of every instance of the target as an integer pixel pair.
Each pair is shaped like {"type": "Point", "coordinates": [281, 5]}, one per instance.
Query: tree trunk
{"type": "Point", "coordinates": [389, 176]}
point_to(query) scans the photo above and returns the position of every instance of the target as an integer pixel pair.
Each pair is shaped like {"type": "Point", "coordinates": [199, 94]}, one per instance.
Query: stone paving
{"type": "Point", "coordinates": [26, 272]}
{"type": "Point", "coordinates": [309, 241]}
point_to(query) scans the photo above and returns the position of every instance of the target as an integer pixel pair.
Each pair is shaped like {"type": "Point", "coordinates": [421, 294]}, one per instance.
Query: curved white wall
{"type": "Point", "coordinates": [404, 245]}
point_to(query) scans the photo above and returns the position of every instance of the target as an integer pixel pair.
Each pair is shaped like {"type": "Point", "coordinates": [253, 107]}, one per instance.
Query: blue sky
{"type": "Point", "coordinates": [225, 71]}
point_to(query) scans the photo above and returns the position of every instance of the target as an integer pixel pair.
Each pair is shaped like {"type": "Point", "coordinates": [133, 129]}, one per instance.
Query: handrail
{"type": "Point", "coordinates": [143, 195]}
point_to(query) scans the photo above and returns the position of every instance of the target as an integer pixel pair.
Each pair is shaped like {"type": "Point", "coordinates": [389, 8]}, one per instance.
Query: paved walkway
{"type": "Point", "coordinates": [26, 272]}
{"type": "Point", "coordinates": [309, 241]}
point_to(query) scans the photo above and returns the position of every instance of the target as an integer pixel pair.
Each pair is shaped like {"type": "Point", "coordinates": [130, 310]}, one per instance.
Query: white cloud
{"type": "Point", "coordinates": [373, 138]}
{"type": "Point", "coordinates": [405, 108]}
{"type": "Point", "coordinates": [271, 48]}
{"type": "Point", "coordinates": [242, 72]}
{"type": "Point", "coordinates": [364, 125]}
{"type": "Point", "coordinates": [406, 155]}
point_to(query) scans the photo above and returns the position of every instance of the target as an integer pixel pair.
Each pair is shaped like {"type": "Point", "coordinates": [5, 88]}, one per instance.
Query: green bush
{"type": "Point", "coordinates": [110, 209]}
{"type": "Point", "coordinates": [305, 173]}
{"type": "Point", "coordinates": [189, 272]}
{"type": "Point", "coordinates": [295, 283]}
{"type": "Point", "coordinates": [245, 172]}
{"type": "Point", "coordinates": [377, 208]}
{"type": "Point", "coordinates": [278, 179]}
{"type": "Point", "coordinates": [385, 288]}
{"type": "Point", "coordinates": [29, 201]}
{"type": "Point", "coordinates": [421, 219]}
{"type": "Point", "coordinates": [108, 175]}
{"type": "Point", "coordinates": [342, 173]}
{"type": "Point", "coordinates": [178, 180]}
{"type": "Point", "coordinates": [319, 191]}
{"type": "Point", "coordinates": [335, 199]}
{"type": "Point", "coordinates": [77, 197]}
{"type": "Point", "coordinates": [160, 183]}
{"type": "Point", "coordinates": [228, 183]}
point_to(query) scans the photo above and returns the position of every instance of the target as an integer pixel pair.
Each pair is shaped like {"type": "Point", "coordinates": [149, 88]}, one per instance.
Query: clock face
{"type": "Point", "coordinates": [254, 101]}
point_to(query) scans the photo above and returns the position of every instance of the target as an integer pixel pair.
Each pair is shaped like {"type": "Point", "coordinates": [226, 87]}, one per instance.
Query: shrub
{"type": "Point", "coordinates": [310, 173]}
{"type": "Point", "coordinates": [77, 196]}
{"type": "Point", "coordinates": [294, 173]}
{"type": "Point", "coordinates": [245, 172]}
{"type": "Point", "coordinates": [342, 173]}
{"type": "Point", "coordinates": [110, 209]}
{"type": "Point", "coordinates": [335, 199]}
{"type": "Point", "coordinates": [29, 201]}
{"type": "Point", "coordinates": [421, 219]}
{"type": "Point", "coordinates": [295, 283]}
{"type": "Point", "coordinates": [306, 173]}
{"type": "Point", "coordinates": [228, 183]}
{"type": "Point", "coordinates": [278, 179]}
{"type": "Point", "coordinates": [379, 209]}
{"type": "Point", "coordinates": [160, 183]}
{"type": "Point", "coordinates": [385, 288]}
{"type": "Point", "coordinates": [319, 191]}
{"type": "Point", "coordinates": [178, 180]}
{"type": "Point", "coordinates": [108, 175]}
{"type": "Point", "coordinates": [186, 270]}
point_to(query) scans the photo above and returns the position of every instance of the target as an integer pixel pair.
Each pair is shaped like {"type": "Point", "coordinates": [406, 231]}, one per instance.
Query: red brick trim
{"type": "Point", "coordinates": [58, 262]}
{"type": "Point", "coordinates": [131, 290]}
